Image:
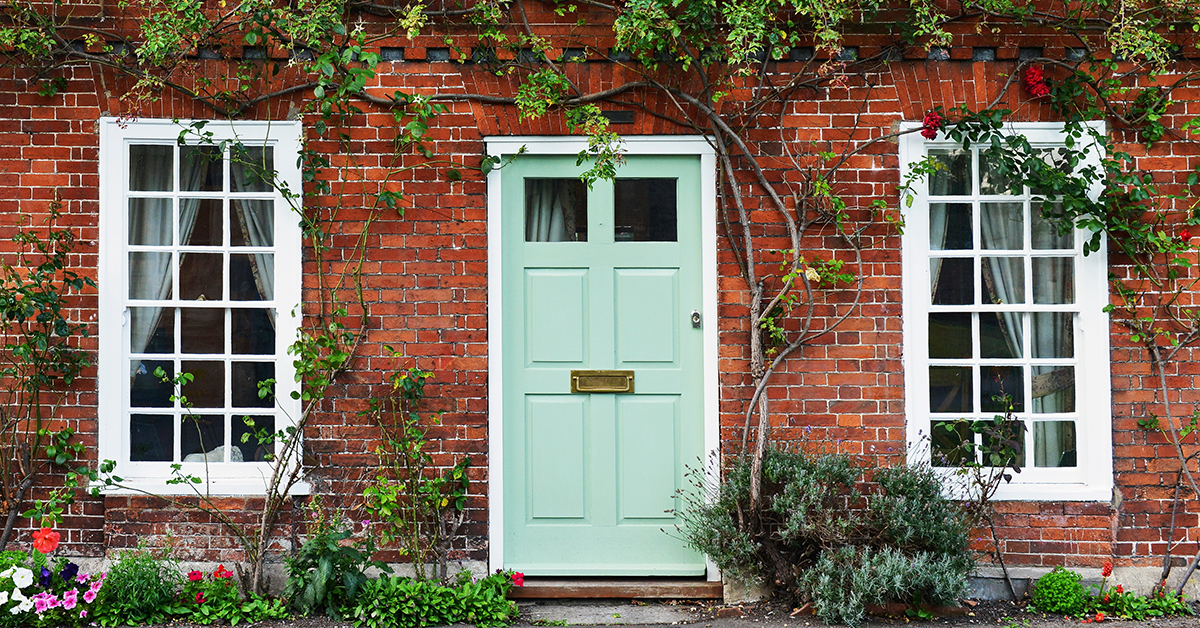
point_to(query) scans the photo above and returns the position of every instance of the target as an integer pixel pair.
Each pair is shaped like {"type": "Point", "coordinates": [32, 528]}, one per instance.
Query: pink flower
{"type": "Point", "coordinates": [89, 596]}
{"type": "Point", "coordinates": [82, 578]}
{"type": "Point", "coordinates": [82, 614]}
{"type": "Point", "coordinates": [70, 599]}
{"type": "Point", "coordinates": [199, 597]}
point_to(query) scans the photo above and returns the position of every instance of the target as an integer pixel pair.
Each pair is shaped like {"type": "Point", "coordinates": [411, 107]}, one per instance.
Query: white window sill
{"type": "Point", "coordinates": [216, 487]}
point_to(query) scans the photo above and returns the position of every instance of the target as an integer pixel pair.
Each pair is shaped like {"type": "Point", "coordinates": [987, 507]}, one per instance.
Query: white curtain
{"type": "Point", "coordinates": [550, 210]}
{"type": "Point", "coordinates": [1005, 276]}
{"type": "Point", "coordinates": [258, 227]}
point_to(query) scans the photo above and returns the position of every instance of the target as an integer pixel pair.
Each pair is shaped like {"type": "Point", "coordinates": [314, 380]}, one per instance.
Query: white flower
{"type": "Point", "coordinates": [811, 274]}
{"type": "Point", "coordinates": [22, 577]}
{"type": "Point", "coordinates": [24, 604]}
{"type": "Point", "coordinates": [3, 598]}
{"type": "Point", "coordinates": [7, 573]}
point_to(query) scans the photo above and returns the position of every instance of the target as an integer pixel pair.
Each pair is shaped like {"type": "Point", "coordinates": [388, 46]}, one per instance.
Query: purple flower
{"type": "Point", "coordinates": [69, 572]}
{"type": "Point", "coordinates": [44, 579]}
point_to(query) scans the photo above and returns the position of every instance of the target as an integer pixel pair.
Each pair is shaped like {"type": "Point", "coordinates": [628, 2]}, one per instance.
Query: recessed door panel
{"type": "Point", "coordinates": [557, 443]}
{"type": "Point", "coordinates": [649, 464]}
{"type": "Point", "coordinates": [647, 313]}
{"type": "Point", "coordinates": [555, 314]}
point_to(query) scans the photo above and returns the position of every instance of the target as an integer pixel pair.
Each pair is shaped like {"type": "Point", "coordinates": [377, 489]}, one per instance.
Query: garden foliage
{"type": "Point", "coordinates": [824, 534]}
{"type": "Point", "coordinates": [328, 570]}
{"type": "Point", "coordinates": [142, 588]}
{"type": "Point", "coordinates": [392, 601]}
{"type": "Point", "coordinates": [1060, 592]}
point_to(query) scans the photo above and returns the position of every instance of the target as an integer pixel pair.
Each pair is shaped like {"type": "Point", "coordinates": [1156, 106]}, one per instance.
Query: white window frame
{"type": "Point", "coordinates": [1092, 479]}
{"type": "Point", "coordinates": [116, 135]}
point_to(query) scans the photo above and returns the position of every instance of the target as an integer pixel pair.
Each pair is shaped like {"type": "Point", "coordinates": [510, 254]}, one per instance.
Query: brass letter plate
{"type": "Point", "coordinates": [602, 381]}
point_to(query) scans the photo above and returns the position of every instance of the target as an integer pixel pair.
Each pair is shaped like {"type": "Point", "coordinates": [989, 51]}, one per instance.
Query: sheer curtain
{"type": "Point", "coordinates": [549, 210]}
{"type": "Point", "coordinates": [256, 218]}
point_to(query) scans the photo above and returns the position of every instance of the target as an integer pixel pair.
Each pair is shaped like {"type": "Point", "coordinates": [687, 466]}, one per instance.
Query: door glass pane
{"type": "Point", "coordinates": [1053, 280]}
{"type": "Point", "coordinates": [150, 168]}
{"type": "Point", "coordinates": [150, 221]}
{"type": "Point", "coordinates": [151, 438]}
{"type": "Point", "coordinates": [1053, 335]}
{"type": "Point", "coordinates": [555, 210]}
{"type": "Point", "coordinates": [950, 389]}
{"type": "Point", "coordinates": [202, 330]}
{"type": "Point", "coordinates": [1044, 233]}
{"type": "Point", "coordinates": [200, 276]}
{"type": "Point", "coordinates": [253, 331]}
{"type": "Point", "coordinates": [952, 443]}
{"type": "Point", "coordinates": [202, 438]}
{"type": "Point", "coordinates": [152, 330]}
{"type": "Point", "coordinates": [251, 276]}
{"type": "Point", "coordinates": [1003, 280]}
{"type": "Point", "coordinates": [150, 275]}
{"type": "Point", "coordinates": [1054, 444]}
{"type": "Point", "coordinates": [1053, 389]}
{"type": "Point", "coordinates": [246, 376]}
{"type": "Point", "coordinates": [207, 388]}
{"type": "Point", "coordinates": [950, 335]}
{"type": "Point", "coordinates": [950, 226]}
{"type": "Point", "coordinates": [996, 383]}
{"type": "Point", "coordinates": [994, 177]}
{"type": "Point", "coordinates": [251, 223]}
{"type": "Point", "coordinates": [200, 168]}
{"type": "Point", "coordinates": [200, 222]}
{"type": "Point", "coordinates": [953, 280]}
{"type": "Point", "coordinates": [148, 390]}
{"type": "Point", "coordinates": [1002, 226]}
{"type": "Point", "coordinates": [251, 168]}
{"type": "Point", "coordinates": [953, 177]}
{"type": "Point", "coordinates": [644, 210]}
{"type": "Point", "coordinates": [246, 441]}
{"type": "Point", "coordinates": [1000, 334]}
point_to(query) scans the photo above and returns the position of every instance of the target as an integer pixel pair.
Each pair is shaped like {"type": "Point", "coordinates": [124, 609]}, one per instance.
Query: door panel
{"type": "Point", "coordinates": [588, 477]}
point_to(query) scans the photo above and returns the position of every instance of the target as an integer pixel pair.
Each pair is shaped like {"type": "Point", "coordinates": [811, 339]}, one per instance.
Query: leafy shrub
{"type": "Point", "coordinates": [141, 588]}
{"type": "Point", "coordinates": [1060, 592]}
{"type": "Point", "coordinates": [397, 601]}
{"type": "Point", "coordinates": [328, 570]}
{"type": "Point", "coordinates": [210, 598]}
{"type": "Point", "coordinates": [826, 533]}
{"type": "Point", "coordinates": [1117, 602]}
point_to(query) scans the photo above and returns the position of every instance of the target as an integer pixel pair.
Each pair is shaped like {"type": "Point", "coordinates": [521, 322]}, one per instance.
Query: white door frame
{"type": "Point", "coordinates": [573, 145]}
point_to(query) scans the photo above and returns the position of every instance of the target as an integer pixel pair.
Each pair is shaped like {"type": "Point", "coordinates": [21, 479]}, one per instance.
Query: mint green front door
{"type": "Point", "coordinates": [605, 279]}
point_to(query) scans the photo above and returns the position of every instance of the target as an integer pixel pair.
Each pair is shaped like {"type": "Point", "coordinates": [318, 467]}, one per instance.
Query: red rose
{"type": "Point", "coordinates": [1106, 571]}
{"type": "Point", "coordinates": [930, 125]}
{"type": "Point", "coordinates": [1035, 82]}
{"type": "Point", "coordinates": [1185, 235]}
{"type": "Point", "coordinates": [45, 540]}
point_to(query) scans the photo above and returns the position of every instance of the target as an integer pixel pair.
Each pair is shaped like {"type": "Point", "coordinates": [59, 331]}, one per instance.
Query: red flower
{"type": "Point", "coordinates": [1099, 616]}
{"type": "Point", "coordinates": [199, 597]}
{"type": "Point", "coordinates": [1106, 571]}
{"type": "Point", "coordinates": [1185, 235]}
{"type": "Point", "coordinates": [1035, 82]}
{"type": "Point", "coordinates": [222, 572]}
{"type": "Point", "coordinates": [930, 125]}
{"type": "Point", "coordinates": [195, 576]}
{"type": "Point", "coordinates": [518, 578]}
{"type": "Point", "coordinates": [1105, 597]}
{"type": "Point", "coordinates": [1120, 589]}
{"type": "Point", "coordinates": [45, 540]}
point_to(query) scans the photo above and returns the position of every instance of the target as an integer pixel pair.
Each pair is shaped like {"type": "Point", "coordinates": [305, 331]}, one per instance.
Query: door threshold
{"type": "Point", "coordinates": [616, 587]}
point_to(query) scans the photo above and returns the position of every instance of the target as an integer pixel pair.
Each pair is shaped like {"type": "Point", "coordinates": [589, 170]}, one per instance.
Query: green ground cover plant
{"type": "Point", "coordinates": [1061, 592]}
{"type": "Point", "coordinates": [395, 601]}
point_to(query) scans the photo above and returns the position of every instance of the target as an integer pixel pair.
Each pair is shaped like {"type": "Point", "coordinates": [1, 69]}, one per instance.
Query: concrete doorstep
{"type": "Point", "coordinates": [581, 613]}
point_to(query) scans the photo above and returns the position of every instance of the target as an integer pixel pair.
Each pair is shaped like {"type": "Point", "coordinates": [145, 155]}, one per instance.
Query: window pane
{"type": "Point", "coordinates": [1053, 389]}
{"type": "Point", "coordinates": [207, 389]}
{"type": "Point", "coordinates": [200, 222]}
{"type": "Point", "coordinates": [251, 168]}
{"type": "Point", "coordinates": [245, 438]}
{"type": "Point", "coordinates": [1053, 335]}
{"type": "Point", "coordinates": [253, 331]}
{"type": "Point", "coordinates": [200, 168]}
{"type": "Point", "coordinates": [1045, 233]}
{"type": "Point", "coordinates": [1053, 280]}
{"type": "Point", "coordinates": [953, 178]}
{"type": "Point", "coordinates": [150, 275]}
{"type": "Point", "coordinates": [151, 438]}
{"type": "Point", "coordinates": [644, 210]}
{"type": "Point", "coordinates": [150, 221]}
{"type": "Point", "coordinates": [200, 277]}
{"type": "Point", "coordinates": [950, 389]}
{"type": "Point", "coordinates": [1003, 280]}
{"type": "Point", "coordinates": [555, 210]}
{"type": "Point", "coordinates": [202, 330]}
{"type": "Point", "coordinates": [152, 330]}
{"type": "Point", "coordinates": [1002, 443]}
{"type": "Point", "coordinates": [952, 443]}
{"type": "Point", "coordinates": [953, 280]}
{"type": "Point", "coordinates": [246, 376]}
{"type": "Point", "coordinates": [950, 226]}
{"type": "Point", "coordinates": [994, 177]}
{"type": "Point", "coordinates": [251, 223]}
{"type": "Point", "coordinates": [251, 277]}
{"type": "Point", "coordinates": [1000, 334]}
{"type": "Point", "coordinates": [996, 383]}
{"type": "Point", "coordinates": [147, 390]}
{"type": "Point", "coordinates": [202, 438]}
{"type": "Point", "coordinates": [1054, 444]}
{"type": "Point", "coordinates": [1002, 226]}
{"type": "Point", "coordinates": [950, 335]}
{"type": "Point", "coordinates": [150, 168]}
